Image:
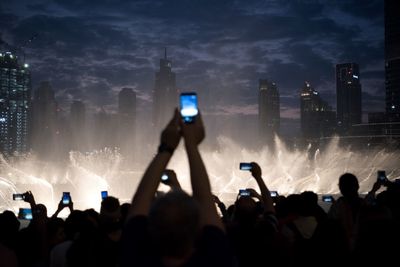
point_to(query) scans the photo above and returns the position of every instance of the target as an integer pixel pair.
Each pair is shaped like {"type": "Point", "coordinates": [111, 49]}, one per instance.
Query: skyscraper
{"type": "Point", "coordinates": [78, 127]}
{"type": "Point", "coordinates": [15, 94]}
{"type": "Point", "coordinates": [126, 120]}
{"type": "Point", "coordinates": [348, 96]}
{"type": "Point", "coordinates": [268, 110]}
{"type": "Point", "coordinates": [317, 117]}
{"type": "Point", "coordinates": [392, 59]}
{"type": "Point", "coordinates": [165, 93]}
{"type": "Point", "coordinates": [45, 121]}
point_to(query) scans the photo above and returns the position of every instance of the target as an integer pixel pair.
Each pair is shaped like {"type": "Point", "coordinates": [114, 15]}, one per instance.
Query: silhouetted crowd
{"type": "Point", "coordinates": [178, 229]}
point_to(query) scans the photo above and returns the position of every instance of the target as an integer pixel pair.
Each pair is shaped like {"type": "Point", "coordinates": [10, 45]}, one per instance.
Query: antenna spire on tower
{"type": "Point", "coordinates": [165, 52]}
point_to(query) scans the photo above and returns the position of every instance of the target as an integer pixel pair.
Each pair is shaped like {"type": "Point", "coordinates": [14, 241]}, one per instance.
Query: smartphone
{"type": "Point", "coordinates": [244, 193]}
{"type": "Point", "coordinates": [164, 177]}
{"type": "Point", "coordinates": [104, 194]}
{"type": "Point", "coordinates": [25, 214]}
{"type": "Point", "coordinates": [188, 106]}
{"type": "Point", "coordinates": [327, 198]}
{"type": "Point", "coordinates": [245, 166]}
{"type": "Point", "coordinates": [66, 198]}
{"type": "Point", "coordinates": [274, 193]}
{"type": "Point", "coordinates": [382, 176]}
{"type": "Point", "coordinates": [18, 197]}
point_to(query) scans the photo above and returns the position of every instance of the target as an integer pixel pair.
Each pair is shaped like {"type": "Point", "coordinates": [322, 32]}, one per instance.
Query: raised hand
{"type": "Point", "coordinates": [255, 170]}
{"type": "Point", "coordinates": [171, 135]}
{"type": "Point", "coordinates": [193, 133]}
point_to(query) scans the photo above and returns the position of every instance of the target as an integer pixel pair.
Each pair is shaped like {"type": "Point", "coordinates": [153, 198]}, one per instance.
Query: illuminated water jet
{"type": "Point", "coordinates": [286, 171]}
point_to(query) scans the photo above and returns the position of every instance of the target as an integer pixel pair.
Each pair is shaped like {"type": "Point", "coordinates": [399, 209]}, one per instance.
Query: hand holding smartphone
{"type": "Point", "coordinates": [381, 176]}
{"type": "Point", "coordinates": [188, 106]}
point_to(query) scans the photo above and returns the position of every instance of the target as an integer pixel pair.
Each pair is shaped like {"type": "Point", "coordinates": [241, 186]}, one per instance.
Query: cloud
{"type": "Point", "coordinates": [219, 48]}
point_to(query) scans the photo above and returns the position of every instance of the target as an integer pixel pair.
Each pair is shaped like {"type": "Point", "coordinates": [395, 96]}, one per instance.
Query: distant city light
{"type": "Point", "coordinates": [26, 65]}
{"type": "Point", "coordinates": [393, 107]}
{"type": "Point", "coordinates": [355, 76]}
{"type": "Point", "coordinates": [2, 119]}
{"type": "Point", "coordinates": [11, 56]}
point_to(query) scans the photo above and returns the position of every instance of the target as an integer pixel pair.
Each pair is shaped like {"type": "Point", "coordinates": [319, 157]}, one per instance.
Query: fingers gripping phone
{"type": "Point", "coordinates": [188, 106]}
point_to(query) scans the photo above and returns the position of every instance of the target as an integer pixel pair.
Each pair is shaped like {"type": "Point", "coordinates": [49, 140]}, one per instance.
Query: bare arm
{"type": "Point", "coordinates": [149, 183]}
{"type": "Point", "coordinates": [193, 134]}
{"type": "Point", "coordinates": [265, 193]}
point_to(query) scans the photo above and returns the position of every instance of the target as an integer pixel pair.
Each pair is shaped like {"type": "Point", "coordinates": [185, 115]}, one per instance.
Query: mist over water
{"type": "Point", "coordinates": [284, 170]}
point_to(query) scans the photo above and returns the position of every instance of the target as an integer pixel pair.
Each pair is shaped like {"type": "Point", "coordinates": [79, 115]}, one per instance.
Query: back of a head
{"type": "Point", "coordinates": [245, 210]}
{"type": "Point", "coordinates": [308, 204]}
{"type": "Point", "coordinates": [174, 223]}
{"type": "Point", "coordinates": [348, 185]}
{"type": "Point", "coordinates": [110, 214]}
{"type": "Point", "coordinates": [109, 205]}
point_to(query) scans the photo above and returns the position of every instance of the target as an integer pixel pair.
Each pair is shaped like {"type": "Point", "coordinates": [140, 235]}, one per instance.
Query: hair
{"type": "Point", "coordinates": [245, 210]}
{"type": "Point", "coordinates": [174, 223]}
{"type": "Point", "coordinates": [348, 185]}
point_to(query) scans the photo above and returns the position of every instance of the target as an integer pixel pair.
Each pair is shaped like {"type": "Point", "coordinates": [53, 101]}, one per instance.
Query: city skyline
{"type": "Point", "coordinates": [89, 52]}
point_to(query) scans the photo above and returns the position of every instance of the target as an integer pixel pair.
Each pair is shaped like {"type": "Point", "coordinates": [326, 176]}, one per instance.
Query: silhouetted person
{"type": "Point", "coordinates": [346, 209]}
{"type": "Point", "coordinates": [177, 229]}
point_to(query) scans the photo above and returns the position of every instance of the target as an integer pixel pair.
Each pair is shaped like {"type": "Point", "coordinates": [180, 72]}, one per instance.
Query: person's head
{"type": "Point", "coordinates": [41, 211]}
{"type": "Point", "coordinates": [55, 231]}
{"type": "Point", "coordinates": [348, 185]}
{"type": "Point", "coordinates": [174, 223]}
{"type": "Point", "coordinates": [110, 214]}
{"type": "Point", "coordinates": [9, 226]}
{"type": "Point", "coordinates": [74, 224]}
{"type": "Point", "coordinates": [245, 210]}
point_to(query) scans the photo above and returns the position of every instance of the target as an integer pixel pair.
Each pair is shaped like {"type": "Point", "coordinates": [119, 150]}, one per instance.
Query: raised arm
{"type": "Point", "coordinates": [149, 183]}
{"type": "Point", "coordinates": [265, 193]}
{"type": "Point", "coordinates": [194, 134]}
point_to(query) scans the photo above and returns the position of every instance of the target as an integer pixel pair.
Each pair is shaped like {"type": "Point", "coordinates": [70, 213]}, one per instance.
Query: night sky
{"type": "Point", "coordinates": [89, 50]}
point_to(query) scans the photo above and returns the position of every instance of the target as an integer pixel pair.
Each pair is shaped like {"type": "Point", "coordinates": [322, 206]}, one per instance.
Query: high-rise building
{"type": "Point", "coordinates": [45, 129]}
{"type": "Point", "coordinates": [348, 96]}
{"type": "Point", "coordinates": [126, 120]}
{"type": "Point", "coordinates": [15, 94]}
{"type": "Point", "coordinates": [104, 130]}
{"type": "Point", "coordinates": [268, 110]}
{"type": "Point", "coordinates": [317, 117]}
{"type": "Point", "coordinates": [165, 93]}
{"type": "Point", "coordinates": [77, 122]}
{"type": "Point", "coordinates": [392, 59]}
